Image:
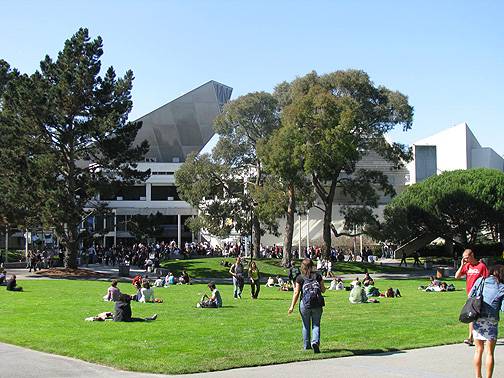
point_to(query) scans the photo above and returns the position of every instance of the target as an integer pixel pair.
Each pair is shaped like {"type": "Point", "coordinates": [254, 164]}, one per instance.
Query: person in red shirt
{"type": "Point", "coordinates": [472, 269]}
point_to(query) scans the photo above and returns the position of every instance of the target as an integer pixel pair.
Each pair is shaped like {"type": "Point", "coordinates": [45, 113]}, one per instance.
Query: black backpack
{"type": "Point", "coordinates": [312, 294]}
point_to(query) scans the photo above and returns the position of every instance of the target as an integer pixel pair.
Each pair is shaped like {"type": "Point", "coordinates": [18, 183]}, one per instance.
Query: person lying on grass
{"type": "Point", "coordinates": [113, 292]}
{"type": "Point", "coordinates": [215, 299]}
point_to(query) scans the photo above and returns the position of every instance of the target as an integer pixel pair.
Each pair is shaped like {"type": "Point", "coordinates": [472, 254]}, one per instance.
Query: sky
{"type": "Point", "coordinates": [446, 56]}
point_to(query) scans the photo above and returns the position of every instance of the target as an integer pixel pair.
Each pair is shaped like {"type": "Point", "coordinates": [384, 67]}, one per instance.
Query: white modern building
{"type": "Point", "coordinates": [174, 130]}
{"type": "Point", "coordinates": [448, 150]}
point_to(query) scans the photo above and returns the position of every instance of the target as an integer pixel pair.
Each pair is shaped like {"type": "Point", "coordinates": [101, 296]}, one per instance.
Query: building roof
{"type": "Point", "coordinates": [183, 125]}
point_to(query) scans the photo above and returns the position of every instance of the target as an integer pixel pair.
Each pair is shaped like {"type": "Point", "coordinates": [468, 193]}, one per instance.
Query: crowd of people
{"type": "Point", "coordinates": [306, 282]}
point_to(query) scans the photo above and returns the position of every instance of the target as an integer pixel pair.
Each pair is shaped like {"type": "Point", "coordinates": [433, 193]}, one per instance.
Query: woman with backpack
{"type": "Point", "coordinates": [310, 286]}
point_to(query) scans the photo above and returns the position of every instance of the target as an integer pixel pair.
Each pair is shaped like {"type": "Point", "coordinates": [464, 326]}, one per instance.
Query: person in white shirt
{"type": "Point", "coordinates": [146, 293]}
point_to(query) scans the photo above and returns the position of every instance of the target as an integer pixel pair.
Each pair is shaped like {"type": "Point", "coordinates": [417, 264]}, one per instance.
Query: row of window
{"type": "Point", "coordinates": [138, 193]}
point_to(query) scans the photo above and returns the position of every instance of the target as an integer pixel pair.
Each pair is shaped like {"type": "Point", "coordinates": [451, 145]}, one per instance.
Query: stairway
{"type": "Point", "coordinates": [414, 245]}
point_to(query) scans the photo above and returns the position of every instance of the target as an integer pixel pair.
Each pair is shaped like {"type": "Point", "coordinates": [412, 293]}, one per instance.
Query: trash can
{"type": "Point", "coordinates": [124, 270]}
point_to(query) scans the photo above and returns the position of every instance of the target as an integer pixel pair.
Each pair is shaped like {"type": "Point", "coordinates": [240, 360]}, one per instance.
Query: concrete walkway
{"type": "Point", "coordinates": [436, 362]}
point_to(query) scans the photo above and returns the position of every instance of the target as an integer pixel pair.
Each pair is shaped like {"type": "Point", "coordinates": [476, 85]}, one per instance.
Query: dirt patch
{"type": "Point", "coordinates": [71, 273]}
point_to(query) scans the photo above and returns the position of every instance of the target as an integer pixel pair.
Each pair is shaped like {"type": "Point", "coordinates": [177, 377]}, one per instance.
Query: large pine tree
{"type": "Point", "coordinates": [78, 122]}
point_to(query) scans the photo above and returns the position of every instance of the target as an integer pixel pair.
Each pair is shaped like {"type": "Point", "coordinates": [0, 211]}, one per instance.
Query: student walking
{"type": "Point", "coordinates": [253, 273]}
{"type": "Point", "coordinates": [236, 271]}
{"type": "Point", "coordinates": [309, 286]}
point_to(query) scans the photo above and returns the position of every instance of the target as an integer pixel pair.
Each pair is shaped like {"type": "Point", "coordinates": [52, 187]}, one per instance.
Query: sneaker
{"type": "Point", "coordinates": [153, 317]}
{"type": "Point", "coordinates": [316, 348]}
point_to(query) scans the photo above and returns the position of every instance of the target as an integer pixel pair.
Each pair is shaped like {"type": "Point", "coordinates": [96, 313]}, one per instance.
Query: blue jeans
{"type": "Point", "coordinates": [311, 321]}
{"type": "Point", "coordinates": [238, 286]}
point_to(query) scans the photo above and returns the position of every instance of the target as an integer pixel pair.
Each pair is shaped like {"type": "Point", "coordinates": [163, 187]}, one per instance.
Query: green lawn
{"type": "Point", "coordinates": [49, 316]}
{"type": "Point", "coordinates": [211, 268]}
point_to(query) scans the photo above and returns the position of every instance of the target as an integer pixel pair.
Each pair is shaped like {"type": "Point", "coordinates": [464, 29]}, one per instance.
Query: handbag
{"type": "Point", "coordinates": [472, 308]}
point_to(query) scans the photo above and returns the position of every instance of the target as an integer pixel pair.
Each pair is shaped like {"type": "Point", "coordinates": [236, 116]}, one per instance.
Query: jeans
{"type": "Point", "coordinates": [255, 288]}
{"type": "Point", "coordinates": [238, 286]}
{"type": "Point", "coordinates": [311, 321]}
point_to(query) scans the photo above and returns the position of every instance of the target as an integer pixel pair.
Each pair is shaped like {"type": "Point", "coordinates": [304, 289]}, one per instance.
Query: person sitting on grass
{"type": "Point", "coordinates": [270, 282]}
{"type": "Point", "coordinates": [184, 279]}
{"type": "Point", "coordinates": [12, 284]}
{"type": "Point", "coordinates": [137, 279]}
{"type": "Point", "coordinates": [159, 282]}
{"type": "Point", "coordinates": [146, 293]}
{"type": "Point", "coordinates": [170, 279]}
{"type": "Point", "coordinates": [357, 294]}
{"type": "Point", "coordinates": [370, 289]}
{"type": "Point", "coordinates": [367, 278]}
{"type": "Point", "coordinates": [113, 292]}
{"type": "Point", "coordinates": [3, 276]}
{"type": "Point", "coordinates": [123, 311]}
{"type": "Point", "coordinates": [215, 299]}
{"type": "Point", "coordinates": [337, 284]}
{"type": "Point", "coordinates": [355, 283]}
{"type": "Point", "coordinates": [280, 281]}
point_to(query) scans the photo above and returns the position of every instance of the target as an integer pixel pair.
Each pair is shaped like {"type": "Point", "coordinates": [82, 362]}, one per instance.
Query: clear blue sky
{"type": "Point", "coordinates": [447, 56]}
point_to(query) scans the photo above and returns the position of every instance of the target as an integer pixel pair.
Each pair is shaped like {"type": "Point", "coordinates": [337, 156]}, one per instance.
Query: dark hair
{"type": "Point", "coordinates": [498, 272]}
{"type": "Point", "coordinates": [146, 284]}
{"type": "Point", "coordinates": [306, 266]}
{"type": "Point", "coordinates": [211, 285]}
{"type": "Point", "coordinates": [114, 283]}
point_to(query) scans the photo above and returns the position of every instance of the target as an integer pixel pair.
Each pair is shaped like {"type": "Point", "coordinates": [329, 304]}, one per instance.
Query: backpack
{"type": "Point", "coordinates": [312, 294]}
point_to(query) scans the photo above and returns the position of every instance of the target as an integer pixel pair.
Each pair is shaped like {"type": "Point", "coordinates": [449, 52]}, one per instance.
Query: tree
{"type": "Point", "coordinates": [79, 120]}
{"type": "Point", "coordinates": [282, 157]}
{"type": "Point", "coordinates": [21, 161]}
{"type": "Point", "coordinates": [145, 227]}
{"type": "Point", "coordinates": [342, 116]}
{"type": "Point", "coordinates": [216, 192]}
{"type": "Point", "coordinates": [243, 124]}
{"type": "Point", "coordinates": [456, 205]}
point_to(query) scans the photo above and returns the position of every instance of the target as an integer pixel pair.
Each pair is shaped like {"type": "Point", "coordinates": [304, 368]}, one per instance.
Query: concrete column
{"type": "Point", "coordinates": [115, 229]}
{"type": "Point", "coordinates": [299, 242]}
{"type": "Point", "coordinates": [6, 244]}
{"type": "Point", "coordinates": [26, 244]}
{"type": "Point", "coordinates": [307, 230]}
{"type": "Point", "coordinates": [179, 231]}
{"type": "Point", "coordinates": [148, 192]}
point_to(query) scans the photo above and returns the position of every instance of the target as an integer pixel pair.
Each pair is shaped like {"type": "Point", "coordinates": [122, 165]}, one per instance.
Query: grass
{"type": "Point", "coordinates": [211, 268]}
{"type": "Point", "coordinates": [49, 316]}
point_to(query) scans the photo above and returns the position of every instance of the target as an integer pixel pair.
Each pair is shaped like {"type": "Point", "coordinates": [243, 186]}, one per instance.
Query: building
{"type": "Point", "coordinates": [450, 149]}
{"type": "Point", "coordinates": [174, 130]}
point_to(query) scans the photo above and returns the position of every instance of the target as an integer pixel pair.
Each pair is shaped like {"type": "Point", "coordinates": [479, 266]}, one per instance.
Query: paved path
{"type": "Point", "coordinates": [436, 362]}
{"type": "Point", "coordinates": [23, 274]}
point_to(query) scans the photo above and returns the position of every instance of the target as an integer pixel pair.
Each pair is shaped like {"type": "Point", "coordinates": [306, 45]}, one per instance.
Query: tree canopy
{"type": "Point", "coordinates": [456, 205]}
{"type": "Point", "coordinates": [75, 123]}
{"type": "Point", "coordinates": [341, 117]}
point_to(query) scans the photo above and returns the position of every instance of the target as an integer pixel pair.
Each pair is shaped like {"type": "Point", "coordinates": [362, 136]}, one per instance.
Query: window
{"type": "Point", "coordinates": [164, 193]}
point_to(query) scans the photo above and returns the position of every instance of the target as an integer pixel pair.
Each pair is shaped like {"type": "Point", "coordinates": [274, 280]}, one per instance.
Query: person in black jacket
{"type": "Point", "coordinates": [123, 311]}
{"type": "Point", "coordinates": [12, 285]}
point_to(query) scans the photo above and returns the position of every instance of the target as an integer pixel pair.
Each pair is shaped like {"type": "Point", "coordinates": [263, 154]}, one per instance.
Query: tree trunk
{"type": "Point", "coordinates": [326, 250]}
{"type": "Point", "coordinates": [72, 248]}
{"type": "Point", "coordinates": [289, 227]}
{"type": "Point", "coordinates": [256, 240]}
